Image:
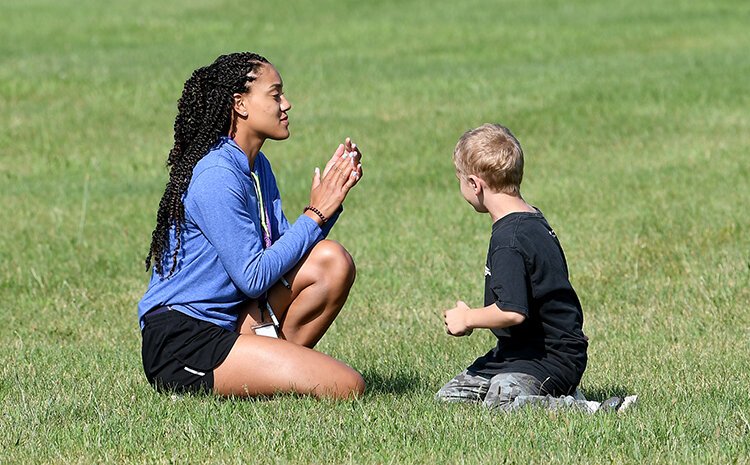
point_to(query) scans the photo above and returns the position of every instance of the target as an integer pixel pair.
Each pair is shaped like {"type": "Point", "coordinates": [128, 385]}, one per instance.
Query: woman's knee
{"type": "Point", "coordinates": [353, 385]}
{"type": "Point", "coordinates": [334, 261]}
{"type": "Point", "coordinates": [264, 366]}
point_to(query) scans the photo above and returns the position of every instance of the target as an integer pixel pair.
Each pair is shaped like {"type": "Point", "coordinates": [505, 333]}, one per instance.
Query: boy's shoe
{"type": "Point", "coordinates": [610, 405]}
{"type": "Point", "coordinates": [627, 402]}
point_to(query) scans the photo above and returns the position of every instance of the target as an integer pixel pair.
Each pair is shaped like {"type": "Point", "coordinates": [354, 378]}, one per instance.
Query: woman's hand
{"type": "Point", "coordinates": [354, 154]}
{"type": "Point", "coordinates": [329, 190]}
{"type": "Point", "coordinates": [456, 320]}
{"type": "Point", "coordinates": [350, 149]}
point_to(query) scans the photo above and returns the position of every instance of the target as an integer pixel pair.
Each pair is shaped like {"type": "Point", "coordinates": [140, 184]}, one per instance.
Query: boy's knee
{"type": "Point", "coordinates": [465, 387]}
{"type": "Point", "coordinates": [504, 388]}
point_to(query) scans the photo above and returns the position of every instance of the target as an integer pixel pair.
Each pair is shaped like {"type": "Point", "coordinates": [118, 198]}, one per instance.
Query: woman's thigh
{"type": "Point", "coordinates": [328, 263]}
{"type": "Point", "coordinates": [261, 366]}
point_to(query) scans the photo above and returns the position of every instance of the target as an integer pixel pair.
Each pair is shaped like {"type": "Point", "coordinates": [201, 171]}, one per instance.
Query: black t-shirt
{"type": "Point", "coordinates": [527, 273]}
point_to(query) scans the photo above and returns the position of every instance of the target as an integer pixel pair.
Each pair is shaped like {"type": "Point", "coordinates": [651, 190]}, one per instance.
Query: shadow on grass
{"type": "Point", "coordinates": [601, 393]}
{"type": "Point", "coordinates": [392, 383]}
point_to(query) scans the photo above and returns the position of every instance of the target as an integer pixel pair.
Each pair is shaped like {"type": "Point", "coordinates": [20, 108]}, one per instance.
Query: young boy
{"type": "Point", "coordinates": [531, 306]}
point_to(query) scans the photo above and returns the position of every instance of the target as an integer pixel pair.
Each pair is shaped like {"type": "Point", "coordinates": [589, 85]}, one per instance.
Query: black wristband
{"type": "Point", "coordinates": [316, 211]}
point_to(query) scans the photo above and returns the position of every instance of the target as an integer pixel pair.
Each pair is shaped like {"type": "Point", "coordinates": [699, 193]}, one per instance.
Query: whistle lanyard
{"type": "Point", "coordinates": [265, 228]}
{"type": "Point", "coordinates": [264, 222]}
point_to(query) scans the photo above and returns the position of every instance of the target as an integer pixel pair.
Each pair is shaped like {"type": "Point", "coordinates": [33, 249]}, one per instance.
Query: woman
{"type": "Point", "coordinates": [227, 266]}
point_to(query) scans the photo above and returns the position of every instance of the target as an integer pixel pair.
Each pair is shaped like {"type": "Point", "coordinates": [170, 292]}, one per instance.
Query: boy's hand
{"type": "Point", "coordinates": [456, 320]}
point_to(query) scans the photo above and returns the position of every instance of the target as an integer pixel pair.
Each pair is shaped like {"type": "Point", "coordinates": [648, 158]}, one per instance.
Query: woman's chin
{"type": "Point", "coordinates": [281, 135]}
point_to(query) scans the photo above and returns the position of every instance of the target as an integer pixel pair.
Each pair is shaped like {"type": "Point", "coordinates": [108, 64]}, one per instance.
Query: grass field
{"type": "Point", "coordinates": [634, 119]}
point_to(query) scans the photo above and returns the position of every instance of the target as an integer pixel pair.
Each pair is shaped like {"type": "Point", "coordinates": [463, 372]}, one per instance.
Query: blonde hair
{"type": "Point", "coordinates": [492, 153]}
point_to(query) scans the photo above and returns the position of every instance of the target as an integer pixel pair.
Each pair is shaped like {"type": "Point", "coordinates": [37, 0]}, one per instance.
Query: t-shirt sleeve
{"type": "Point", "coordinates": [508, 280]}
{"type": "Point", "coordinates": [218, 205]}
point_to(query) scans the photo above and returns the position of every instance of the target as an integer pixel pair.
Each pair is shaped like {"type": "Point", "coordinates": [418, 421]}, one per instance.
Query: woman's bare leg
{"type": "Point", "coordinates": [259, 365]}
{"type": "Point", "coordinates": [320, 284]}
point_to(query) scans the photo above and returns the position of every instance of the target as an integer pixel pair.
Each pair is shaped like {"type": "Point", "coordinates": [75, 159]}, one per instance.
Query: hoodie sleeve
{"type": "Point", "coordinates": [223, 210]}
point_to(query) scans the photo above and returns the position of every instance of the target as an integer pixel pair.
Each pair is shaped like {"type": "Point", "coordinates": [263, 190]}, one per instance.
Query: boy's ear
{"type": "Point", "coordinates": [476, 184]}
{"type": "Point", "coordinates": [239, 104]}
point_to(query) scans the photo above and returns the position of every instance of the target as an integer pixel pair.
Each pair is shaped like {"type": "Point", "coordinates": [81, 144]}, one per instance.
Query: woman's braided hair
{"type": "Point", "coordinates": [204, 114]}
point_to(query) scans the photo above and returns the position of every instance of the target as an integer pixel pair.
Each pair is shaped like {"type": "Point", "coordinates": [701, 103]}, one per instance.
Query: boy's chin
{"type": "Point", "coordinates": [479, 208]}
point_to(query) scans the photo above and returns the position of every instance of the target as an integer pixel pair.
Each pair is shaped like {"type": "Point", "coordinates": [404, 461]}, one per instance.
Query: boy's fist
{"type": "Point", "coordinates": [456, 320]}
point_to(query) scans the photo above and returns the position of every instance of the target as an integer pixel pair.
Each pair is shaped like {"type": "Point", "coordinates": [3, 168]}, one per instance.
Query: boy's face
{"type": "Point", "coordinates": [471, 191]}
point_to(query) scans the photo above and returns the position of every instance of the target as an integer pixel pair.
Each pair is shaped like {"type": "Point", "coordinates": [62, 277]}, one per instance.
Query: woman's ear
{"type": "Point", "coordinates": [239, 104]}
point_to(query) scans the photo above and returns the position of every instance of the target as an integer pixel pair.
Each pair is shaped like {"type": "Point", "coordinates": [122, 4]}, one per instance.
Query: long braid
{"type": "Point", "coordinates": [204, 114]}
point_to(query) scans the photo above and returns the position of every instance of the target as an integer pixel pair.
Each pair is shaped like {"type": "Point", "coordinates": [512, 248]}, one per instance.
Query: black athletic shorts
{"type": "Point", "coordinates": [180, 352]}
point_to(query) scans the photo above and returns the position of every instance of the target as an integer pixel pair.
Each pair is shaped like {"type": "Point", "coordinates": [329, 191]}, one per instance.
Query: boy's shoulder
{"type": "Point", "coordinates": [528, 234]}
{"type": "Point", "coordinates": [518, 228]}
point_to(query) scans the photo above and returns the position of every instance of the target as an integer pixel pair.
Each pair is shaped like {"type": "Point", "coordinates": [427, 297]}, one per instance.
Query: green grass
{"type": "Point", "coordinates": [635, 124]}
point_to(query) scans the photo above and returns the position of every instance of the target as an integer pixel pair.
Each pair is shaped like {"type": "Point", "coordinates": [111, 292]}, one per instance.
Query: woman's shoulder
{"type": "Point", "coordinates": [215, 158]}
{"type": "Point", "coordinates": [210, 173]}
{"type": "Point", "coordinates": [212, 176]}
{"type": "Point", "coordinates": [221, 162]}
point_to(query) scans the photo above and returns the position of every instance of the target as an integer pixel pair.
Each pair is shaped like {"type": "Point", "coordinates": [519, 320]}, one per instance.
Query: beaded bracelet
{"type": "Point", "coordinates": [316, 211]}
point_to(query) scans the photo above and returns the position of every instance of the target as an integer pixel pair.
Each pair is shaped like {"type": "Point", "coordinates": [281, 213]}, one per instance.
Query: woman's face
{"type": "Point", "coordinates": [266, 106]}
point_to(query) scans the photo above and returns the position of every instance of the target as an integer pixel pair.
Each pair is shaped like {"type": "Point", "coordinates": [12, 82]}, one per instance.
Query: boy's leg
{"type": "Point", "coordinates": [511, 391]}
{"type": "Point", "coordinates": [504, 388]}
{"type": "Point", "coordinates": [554, 403]}
{"type": "Point", "coordinates": [465, 387]}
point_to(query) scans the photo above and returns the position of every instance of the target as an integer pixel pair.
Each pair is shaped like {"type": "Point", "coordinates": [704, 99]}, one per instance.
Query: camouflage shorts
{"type": "Point", "coordinates": [497, 391]}
{"type": "Point", "coordinates": [506, 391]}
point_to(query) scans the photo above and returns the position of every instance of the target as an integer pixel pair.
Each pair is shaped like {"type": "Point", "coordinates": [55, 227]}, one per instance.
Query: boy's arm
{"type": "Point", "coordinates": [461, 320]}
